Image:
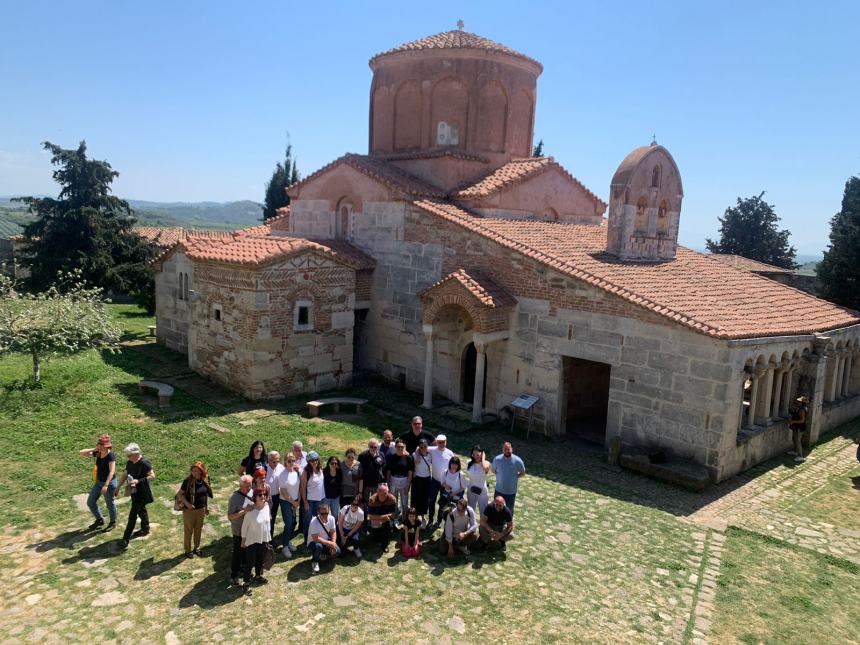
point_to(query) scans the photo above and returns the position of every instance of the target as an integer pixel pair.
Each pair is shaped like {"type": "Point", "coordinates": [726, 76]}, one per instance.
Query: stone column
{"type": "Point", "coordinates": [428, 369]}
{"type": "Point", "coordinates": [755, 391]}
{"type": "Point", "coordinates": [840, 373]}
{"type": "Point", "coordinates": [833, 368]}
{"type": "Point", "coordinates": [785, 398]}
{"type": "Point", "coordinates": [846, 374]}
{"type": "Point", "coordinates": [763, 413]}
{"type": "Point", "coordinates": [781, 373]}
{"type": "Point", "coordinates": [478, 397]}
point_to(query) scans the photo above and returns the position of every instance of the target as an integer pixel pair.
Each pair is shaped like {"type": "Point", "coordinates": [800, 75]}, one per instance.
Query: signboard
{"type": "Point", "coordinates": [525, 401]}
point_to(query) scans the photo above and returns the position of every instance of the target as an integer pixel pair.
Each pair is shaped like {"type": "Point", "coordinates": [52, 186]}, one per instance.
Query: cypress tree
{"type": "Point", "coordinates": [839, 271]}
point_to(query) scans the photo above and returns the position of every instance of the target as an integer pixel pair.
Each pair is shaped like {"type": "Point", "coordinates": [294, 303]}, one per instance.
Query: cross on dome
{"type": "Point", "coordinates": [461, 25]}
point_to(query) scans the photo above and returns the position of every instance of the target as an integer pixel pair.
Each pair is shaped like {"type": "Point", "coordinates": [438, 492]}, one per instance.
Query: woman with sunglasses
{"type": "Point", "coordinates": [332, 484]}
{"type": "Point", "coordinates": [477, 469]}
{"type": "Point", "coordinates": [256, 534]}
{"type": "Point", "coordinates": [312, 490]}
{"type": "Point", "coordinates": [349, 523]}
{"type": "Point", "coordinates": [194, 495]}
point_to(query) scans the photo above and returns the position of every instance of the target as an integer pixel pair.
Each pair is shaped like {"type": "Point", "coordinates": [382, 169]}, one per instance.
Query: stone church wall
{"type": "Point", "coordinates": [172, 314]}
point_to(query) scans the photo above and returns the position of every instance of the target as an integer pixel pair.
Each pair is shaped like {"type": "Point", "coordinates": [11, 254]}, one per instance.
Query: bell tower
{"type": "Point", "coordinates": [645, 206]}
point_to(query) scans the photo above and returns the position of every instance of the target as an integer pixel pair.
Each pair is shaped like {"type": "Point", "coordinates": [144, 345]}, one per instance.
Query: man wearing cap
{"type": "Point", "coordinates": [797, 424]}
{"type": "Point", "coordinates": [414, 436]}
{"type": "Point", "coordinates": [508, 468]}
{"type": "Point", "coordinates": [372, 469]}
{"type": "Point", "coordinates": [440, 455]}
{"type": "Point", "coordinates": [104, 482]}
{"type": "Point", "coordinates": [138, 473]}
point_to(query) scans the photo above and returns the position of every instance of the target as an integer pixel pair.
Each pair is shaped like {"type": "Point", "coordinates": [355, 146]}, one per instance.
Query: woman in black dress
{"type": "Point", "coordinates": [138, 473]}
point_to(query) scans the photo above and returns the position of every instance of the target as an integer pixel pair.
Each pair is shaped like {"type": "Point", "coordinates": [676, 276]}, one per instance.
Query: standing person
{"type": "Point", "coordinates": [300, 455]}
{"type": "Point", "coordinates": [477, 470]}
{"type": "Point", "coordinates": [273, 477]}
{"type": "Point", "coordinates": [240, 503]}
{"type": "Point", "coordinates": [104, 482]}
{"type": "Point", "coordinates": [349, 523]}
{"type": "Point", "coordinates": [423, 475]}
{"type": "Point", "coordinates": [260, 483]}
{"type": "Point", "coordinates": [322, 536]}
{"type": "Point", "coordinates": [312, 489]}
{"type": "Point", "coordinates": [255, 538]}
{"type": "Point", "coordinates": [440, 455]}
{"type": "Point", "coordinates": [372, 469]}
{"type": "Point", "coordinates": [508, 468]}
{"type": "Point", "coordinates": [138, 473]}
{"type": "Point", "coordinates": [387, 445]}
{"type": "Point", "coordinates": [382, 513]}
{"type": "Point", "coordinates": [255, 460]}
{"type": "Point", "coordinates": [460, 530]}
{"type": "Point", "coordinates": [497, 524]}
{"type": "Point", "coordinates": [453, 487]}
{"type": "Point", "coordinates": [194, 494]}
{"type": "Point", "coordinates": [400, 468]}
{"type": "Point", "coordinates": [351, 470]}
{"type": "Point", "coordinates": [797, 424]}
{"type": "Point", "coordinates": [410, 545]}
{"type": "Point", "coordinates": [333, 484]}
{"type": "Point", "coordinates": [413, 436]}
{"type": "Point", "coordinates": [289, 488]}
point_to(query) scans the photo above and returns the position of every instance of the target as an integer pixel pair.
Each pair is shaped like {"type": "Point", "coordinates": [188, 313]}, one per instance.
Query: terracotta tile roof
{"type": "Point", "coordinates": [391, 176]}
{"type": "Point", "coordinates": [740, 262]}
{"type": "Point", "coordinates": [514, 172]}
{"type": "Point", "coordinates": [487, 292]}
{"type": "Point", "coordinates": [694, 290]}
{"type": "Point", "coordinates": [456, 153]}
{"type": "Point", "coordinates": [259, 250]}
{"type": "Point", "coordinates": [456, 39]}
{"type": "Point", "coordinates": [266, 227]}
{"type": "Point", "coordinates": [167, 236]}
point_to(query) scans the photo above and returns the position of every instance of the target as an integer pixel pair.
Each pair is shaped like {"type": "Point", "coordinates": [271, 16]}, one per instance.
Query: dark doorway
{"type": "Point", "coordinates": [586, 397]}
{"type": "Point", "coordinates": [470, 361]}
{"type": "Point", "coordinates": [359, 342]}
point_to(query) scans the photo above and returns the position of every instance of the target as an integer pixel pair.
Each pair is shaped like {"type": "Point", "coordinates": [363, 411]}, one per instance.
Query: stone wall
{"type": "Point", "coordinates": [172, 314]}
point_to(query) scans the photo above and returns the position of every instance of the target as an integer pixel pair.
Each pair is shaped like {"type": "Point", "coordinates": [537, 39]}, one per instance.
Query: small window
{"type": "Point", "coordinates": [186, 288]}
{"type": "Point", "coordinates": [180, 290]}
{"type": "Point", "coordinates": [216, 313]}
{"type": "Point", "coordinates": [663, 218]}
{"type": "Point", "coordinates": [304, 315]}
{"type": "Point", "coordinates": [655, 177]}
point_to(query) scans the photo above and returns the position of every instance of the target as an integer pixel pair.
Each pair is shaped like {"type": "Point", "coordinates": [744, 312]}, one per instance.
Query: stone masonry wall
{"type": "Point", "coordinates": [172, 314]}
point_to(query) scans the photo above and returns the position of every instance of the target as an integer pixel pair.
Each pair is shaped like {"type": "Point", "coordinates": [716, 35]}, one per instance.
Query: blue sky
{"type": "Point", "coordinates": [191, 100]}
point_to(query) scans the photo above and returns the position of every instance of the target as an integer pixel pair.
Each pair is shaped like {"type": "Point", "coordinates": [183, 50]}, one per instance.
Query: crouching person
{"type": "Point", "coordinates": [382, 513]}
{"type": "Point", "coordinates": [461, 530]}
{"type": "Point", "coordinates": [349, 523]}
{"type": "Point", "coordinates": [497, 524]}
{"type": "Point", "coordinates": [322, 536]}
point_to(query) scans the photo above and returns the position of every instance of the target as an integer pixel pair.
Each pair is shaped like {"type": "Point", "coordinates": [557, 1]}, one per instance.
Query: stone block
{"type": "Point", "coordinates": [668, 362]}
{"type": "Point", "coordinates": [632, 399]}
{"type": "Point", "coordinates": [683, 414]}
{"type": "Point", "coordinates": [633, 356]}
{"type": "Point", "coordinates": [552, 328]}
{"type": "Point", "coordinates": [641, 342]}
{"type": "Point", "coordinates": [342, 320]}
{"type": "Point", "coordinates": [692, 386]}
{"type": "Point", "coordinates": [704, 369]}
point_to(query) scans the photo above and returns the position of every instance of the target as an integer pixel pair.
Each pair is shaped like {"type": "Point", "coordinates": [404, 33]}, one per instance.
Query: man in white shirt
{"type": "Point", "coordinates": [440, 455]}
{"type": "Point", "coordinates": [461, 530]}
{"type": "Point", "coordinates": [272, 478]}
{"type": "Point", "coordinates": [322, 537]}
{"type": "Point", "coordinates": [289, 481]}
{"type": "Point", "coordinates": [300, 455]}
{"type": "Point", "coordinates": [349, 523]}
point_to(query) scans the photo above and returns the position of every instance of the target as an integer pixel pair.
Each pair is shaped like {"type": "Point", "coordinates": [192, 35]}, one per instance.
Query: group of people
{"type": "Point", "coordinates": [399, 490]}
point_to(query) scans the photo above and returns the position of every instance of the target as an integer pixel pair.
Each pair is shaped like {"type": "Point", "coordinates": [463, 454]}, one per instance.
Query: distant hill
{"type": "Point", "coordinates": [226, 215]}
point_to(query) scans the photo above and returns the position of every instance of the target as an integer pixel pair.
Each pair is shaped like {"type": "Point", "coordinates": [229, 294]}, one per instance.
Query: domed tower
{"type": "Point", "coordinates": [453, 92]}
{"type": "Point", "coordinates": [645, 206]}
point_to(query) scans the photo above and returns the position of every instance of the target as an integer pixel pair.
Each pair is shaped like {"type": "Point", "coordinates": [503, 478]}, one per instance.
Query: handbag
{"type": "Point", "coordinates": [95, 473]}
{"type": "Point", "coordinates": [477, 490]}
{"type": "Point", "coordinates": [177, 502]}
{"type": "Point", "coordinates": [268, 556]}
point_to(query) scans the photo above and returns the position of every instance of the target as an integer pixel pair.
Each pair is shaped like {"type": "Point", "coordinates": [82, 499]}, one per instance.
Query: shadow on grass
{"type": "Point", "coordinates": [213, 590]}
{"type": "Point", "coordinates": [856, 482]}
{"type": "Point", "coordinates": [91, 554]}
{"type": "Point", "coordinates": [67, 540]}
{"type": "Point", "coordinates": [149, 568]}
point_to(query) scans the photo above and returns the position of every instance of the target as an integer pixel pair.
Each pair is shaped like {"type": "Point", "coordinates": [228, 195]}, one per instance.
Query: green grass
{"type": "Point", "coordinates": [834, 502]}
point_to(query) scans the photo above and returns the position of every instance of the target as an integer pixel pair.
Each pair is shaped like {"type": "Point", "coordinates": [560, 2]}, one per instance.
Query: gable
{"type": "Point", "coordinates": [550, 191]}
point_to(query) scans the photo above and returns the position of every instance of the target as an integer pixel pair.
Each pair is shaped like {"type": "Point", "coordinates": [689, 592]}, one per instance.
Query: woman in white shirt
{"type": "Point", "coordinates": [349, 523]}
{"type": "Point", "coordinates": [453, 486]}
{"type": "Point", "coordinates": [256, 534]}
{"type": "Point", "coordinates": [312, 489]}
{"type": "Point", "coordinates": [477, 469]}
{"type": "Point", "coordinates": [289, 483]}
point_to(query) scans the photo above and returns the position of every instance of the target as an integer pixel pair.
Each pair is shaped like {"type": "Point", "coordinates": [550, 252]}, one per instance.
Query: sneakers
{"type": "Point", "coordinates": [189, 554]}
{"type": "Point", "coordinates": [287, 552]}
{"type": "Point", "coordinates": [123, 544]}
{"type": "Point", "coordinates": [315, 567]}
{"type": "Point", "coordinates": [110, 527]}
{"type": "Point", "coordinates": [358, 553]}
{"type": "Point", "coordinates": [246, 588]}
{"type": "Point", "coordinates": [95, 525]}
{"type": "Point", "coordinates": [198, 553]}
{"type": "Point", "coordinates": [141, 533]}
{"type": "Point", "coordinates": [465, 550]}
{"type": "Point", "coordinates": [260, 580]}
{"type": "Point", "coordinates": [799, 459]}
{"type": "Point", "coordinates": [234, 582]}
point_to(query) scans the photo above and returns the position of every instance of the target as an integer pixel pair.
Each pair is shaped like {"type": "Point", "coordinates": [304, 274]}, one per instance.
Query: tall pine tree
{"type": "Point", "coordinates": [750, 229]}
{"type": "Point", "coordinates": [284, 175]}
{"type": "Point", "coordinates": [839, 271]}
{"type": "Point", "coordinates": [85, 228]}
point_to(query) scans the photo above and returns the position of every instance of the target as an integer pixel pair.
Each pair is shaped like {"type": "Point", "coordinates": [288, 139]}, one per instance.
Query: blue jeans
{"type": "Point", "coordinates": [309, 515]}
{"type": "Point", "coordinates": [353, 540]}
{"type": "Point", "coordinates": [273, 511]}
{"type": "Point", "coordinates": [289, 515]}
{"type": "Point", "coordinates": [509, 499]}
{"type": "Point", "coordinates": [317, 549]}
{"type": "Point", "coordinates": [435, 487]}
{"type": "Point", "coordinates": [93, 499]}
{"type": "Point", "coordinates": [334, 505]}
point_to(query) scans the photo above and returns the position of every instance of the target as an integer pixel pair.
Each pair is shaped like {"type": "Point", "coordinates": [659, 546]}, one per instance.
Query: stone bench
{"type": "Point", "coordinates": [163, 390]}
{"type": "Point", "coordinates": [151, 330]}
{"type": "Point", "coordinates": [314, 406]}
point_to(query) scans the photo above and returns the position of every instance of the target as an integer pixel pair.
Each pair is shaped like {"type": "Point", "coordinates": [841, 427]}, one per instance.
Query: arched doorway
{"type": "Point", "coordinates": [469, 362]}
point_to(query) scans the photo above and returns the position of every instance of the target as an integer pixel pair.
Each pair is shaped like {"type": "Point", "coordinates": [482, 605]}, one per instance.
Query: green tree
{"type": "Point", "coordinates": [750, 229]}
{"type": "Point", "coordinates": [839, 271]}
{"type": "Point", "coordinates": [538, 149]}
{"type": "Point", "coordinates": [68, 317]}
{"type": "Point", "coordinates": [85, 229]}
{"type": "Point", "coordinates": [284, 175]}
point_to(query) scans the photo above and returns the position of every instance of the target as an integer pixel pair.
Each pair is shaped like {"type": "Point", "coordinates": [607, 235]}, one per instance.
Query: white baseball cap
{"type": "Point", "coordinates": [441, 437]}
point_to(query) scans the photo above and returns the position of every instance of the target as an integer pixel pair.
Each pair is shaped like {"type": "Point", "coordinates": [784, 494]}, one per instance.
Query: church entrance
{"type": "Point", "coordinates": [359, 343]}
{"type": "Point", "coordinates": [470, 360]}
{"type": "Point", "coordinates": [586, 398]}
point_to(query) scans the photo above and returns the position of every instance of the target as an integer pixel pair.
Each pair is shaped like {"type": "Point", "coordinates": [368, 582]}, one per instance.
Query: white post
{"type": "Point", "coordinates": [428, 370]}
{"type": "Point", "coordinates": [478, 397]}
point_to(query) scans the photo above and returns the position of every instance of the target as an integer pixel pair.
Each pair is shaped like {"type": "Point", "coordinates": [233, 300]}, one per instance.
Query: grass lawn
{"type": "Point", "coordinates": [596, 557]}
{"type": "Point", "coordinates": [837, 500]}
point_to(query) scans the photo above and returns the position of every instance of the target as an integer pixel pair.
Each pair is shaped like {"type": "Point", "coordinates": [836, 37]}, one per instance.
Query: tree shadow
{"type": "Point", "coordinates": [213, 590]}
{"type": "Point", "coordinates": [66, 540]}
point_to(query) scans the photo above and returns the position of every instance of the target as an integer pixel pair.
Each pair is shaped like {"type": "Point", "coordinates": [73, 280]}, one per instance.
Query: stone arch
{"type": "Point", "coordinates": [663, 218]}
{"type": "Point", "coordinates": [476, 314]}
{"type": "Point", "coordinates": [343, 217]}
{"type": "Point", "coordinates": [655, 176]}
{"type": "Point", "coordinates": [407, 116]}
{"type": "Point", "coordinates": [640, 223]}
{"type": "Point", "coordinates": [492, 117]}
{"type": "Point", "coordinates": [380, 120]}
{"type": "Point", "coordinates": [449, 103]}
{"type": "Point", "coordinates": [520, 119]}
{"type": "Point", "coordinates": [550, 215]}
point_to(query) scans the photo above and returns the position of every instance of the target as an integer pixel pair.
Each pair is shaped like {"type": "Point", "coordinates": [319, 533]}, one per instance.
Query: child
{"type": "Point", "coordinates": [411, 544]}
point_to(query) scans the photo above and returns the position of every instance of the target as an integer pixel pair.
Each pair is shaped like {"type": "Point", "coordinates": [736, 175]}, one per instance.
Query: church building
{"type": "Point", "coordinates": [450, 261]}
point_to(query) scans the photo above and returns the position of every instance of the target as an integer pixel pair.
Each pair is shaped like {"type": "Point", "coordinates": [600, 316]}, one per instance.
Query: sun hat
{"type": "Point", "coordinates": [313, 455]}
{"type": "Point", "coordinates": [105, 441]}
{"type": "Point", "coordinates": [132, 449]}
{"type": "Point", "coordinates": [441, 437]}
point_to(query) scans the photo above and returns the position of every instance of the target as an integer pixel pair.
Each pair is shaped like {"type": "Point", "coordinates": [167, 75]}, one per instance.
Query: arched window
{"type": "Point", "coordinates": [663, 218]}
{"type": "Point", "coordinates": [342, 219]}
{"type": "Point", "coordinates": [655, 177]}
{"type": "Point", "coordinates": [640, 225]}
{"type": "Point", "coordinates": [550, 215]}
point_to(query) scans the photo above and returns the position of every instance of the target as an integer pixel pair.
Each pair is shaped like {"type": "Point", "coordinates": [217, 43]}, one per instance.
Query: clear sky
{"type": "Point", "coordinates": [191, 100]}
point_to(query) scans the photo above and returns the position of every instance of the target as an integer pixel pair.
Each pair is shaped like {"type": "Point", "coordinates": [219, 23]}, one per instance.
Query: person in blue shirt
{"type": "Point", "coordinates": [508, 468]}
